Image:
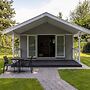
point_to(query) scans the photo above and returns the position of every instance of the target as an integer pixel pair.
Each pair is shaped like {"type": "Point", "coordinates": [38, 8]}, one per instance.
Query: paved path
{"type": "Point", "coordinates": [48, 77]}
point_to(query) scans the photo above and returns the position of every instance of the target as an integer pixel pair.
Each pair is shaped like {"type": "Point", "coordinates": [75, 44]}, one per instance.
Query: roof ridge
{"type": "Point", "coordinates": [46, 14]}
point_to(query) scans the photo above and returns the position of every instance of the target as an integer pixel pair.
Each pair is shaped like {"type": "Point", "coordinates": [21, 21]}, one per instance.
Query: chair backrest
{"type": "Point", "coordinates": [6, 61]}
{"type": "Point", "coordinates": [31, 57]}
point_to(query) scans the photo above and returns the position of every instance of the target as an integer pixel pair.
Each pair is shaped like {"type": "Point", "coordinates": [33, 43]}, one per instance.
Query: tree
{"type": "Point", "coordinates": [60, 15]}
{"type": "Point", "coordinates": [81, 14]}
{"type": "Point", "coordinates": [6, 15]}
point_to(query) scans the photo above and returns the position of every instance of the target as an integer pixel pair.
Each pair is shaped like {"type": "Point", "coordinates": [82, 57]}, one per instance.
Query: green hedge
{"type": "Point", "coordinates": [86, 48]}
{"type": "Point", "coordinates": [4, 50]}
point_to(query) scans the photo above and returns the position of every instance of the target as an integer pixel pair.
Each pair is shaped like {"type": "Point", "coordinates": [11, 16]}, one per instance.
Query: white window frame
{"type": "Point", "coordinates": [28, 45]}
{"type": "Point", "coordinates": [56, 47]}
{"type": "Point", "coordinates": [36, 45]}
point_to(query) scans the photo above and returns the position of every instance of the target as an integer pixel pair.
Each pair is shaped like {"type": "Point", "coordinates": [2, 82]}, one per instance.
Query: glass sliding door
{"type": "Point", "coordinates": [60, 48]}
{"type": "Point", "coordinates": [32, 46]}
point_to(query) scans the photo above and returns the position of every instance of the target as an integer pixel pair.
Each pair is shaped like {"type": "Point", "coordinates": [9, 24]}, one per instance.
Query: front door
{"type": "Point", "coordinates": [46, 45]}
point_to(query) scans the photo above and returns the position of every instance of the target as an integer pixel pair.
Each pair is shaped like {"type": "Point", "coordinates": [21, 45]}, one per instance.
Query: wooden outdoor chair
{"type": "Point", "coordinates": [6, 64]}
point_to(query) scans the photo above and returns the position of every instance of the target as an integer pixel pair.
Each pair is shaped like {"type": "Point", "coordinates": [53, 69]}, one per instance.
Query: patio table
{"type": "Point", "coordinates": [18, 61]}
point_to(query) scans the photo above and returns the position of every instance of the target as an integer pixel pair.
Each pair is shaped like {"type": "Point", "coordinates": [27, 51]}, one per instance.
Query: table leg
{"type": "Point", "coordinates": [31, 69]}
{"type": "Point", "coordinates": [19, 66]}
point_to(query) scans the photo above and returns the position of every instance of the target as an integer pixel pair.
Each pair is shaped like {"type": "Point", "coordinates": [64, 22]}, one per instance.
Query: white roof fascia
{"type": "Point", "coordinates": [24, 23]}
{"type": "Point", "coordinates": [78, 28]}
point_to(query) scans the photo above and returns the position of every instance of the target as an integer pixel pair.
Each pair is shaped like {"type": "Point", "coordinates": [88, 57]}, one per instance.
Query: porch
{"type": "Point", "coordinates": [47, 36]}
{"type": "Point", "coordinates": [55, 63]}
{"type": "Point", "coordinates": [48, 52]}
{"type": "Point", "coordinates": [44, 62]}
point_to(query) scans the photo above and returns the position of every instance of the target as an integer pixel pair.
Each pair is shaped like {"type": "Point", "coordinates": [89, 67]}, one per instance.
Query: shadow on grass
{"type": "Point", "coordinates": [85, 60]}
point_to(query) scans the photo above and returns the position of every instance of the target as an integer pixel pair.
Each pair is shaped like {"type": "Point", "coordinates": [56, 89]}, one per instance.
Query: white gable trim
{"type": "Point", "coordinates": [22, 24]}
{"type": "Point", "coordinates": [69, 24]}
{"type": "Point", "coordinates": [76, 27]}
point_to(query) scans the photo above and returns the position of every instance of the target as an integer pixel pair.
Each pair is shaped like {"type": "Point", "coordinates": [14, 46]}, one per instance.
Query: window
{"type": "Point", "coordinates": [31, 46]}
{"type": "Point", "coordinates": [60, 46]}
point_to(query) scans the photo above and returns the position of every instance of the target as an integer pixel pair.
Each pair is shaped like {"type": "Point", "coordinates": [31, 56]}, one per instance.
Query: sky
{"type": "Point", "coordinates": [26, 9]}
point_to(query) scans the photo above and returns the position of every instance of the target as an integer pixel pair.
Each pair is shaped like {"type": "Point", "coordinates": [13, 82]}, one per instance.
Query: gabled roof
{"type": "Point", "coordinates": [43, 18]}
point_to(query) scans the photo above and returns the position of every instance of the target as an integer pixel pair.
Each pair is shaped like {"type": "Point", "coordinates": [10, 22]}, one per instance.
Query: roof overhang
{"type": "Point", "coordinates": [43, 18]}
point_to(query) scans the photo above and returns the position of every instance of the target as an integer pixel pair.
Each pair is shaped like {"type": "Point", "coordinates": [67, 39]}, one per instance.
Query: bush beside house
{"type": "Point", "coordinates": [86, 48]}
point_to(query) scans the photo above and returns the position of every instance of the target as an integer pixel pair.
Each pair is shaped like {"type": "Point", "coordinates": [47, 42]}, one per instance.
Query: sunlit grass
{"type": "Point", "coordinates": [1, 66]}
{"type": "Point", "coordinates": [85, 54]}
{"type": "Point", "coordinates": [85, 58]}
{"type": "Point", "coordinates": [1, 56]}
{"type": "Point", "coordinates": [80, 79]}
{"type": "Point", "coordinates": [20, 84]}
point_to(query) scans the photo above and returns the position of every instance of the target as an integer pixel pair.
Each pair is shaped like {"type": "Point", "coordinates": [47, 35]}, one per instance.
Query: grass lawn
{"type": "Point", "coordinates": [78, 78]}
{"type": "Point", "coordinates": [85, 58]}
{"type": "Point", "coordinates": [20, 84]}
{"type": "Point", "coordinates": [1, 66]}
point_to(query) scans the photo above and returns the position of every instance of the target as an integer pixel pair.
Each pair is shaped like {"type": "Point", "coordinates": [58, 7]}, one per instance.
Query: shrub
{"type": "Point", "coordinates": [86, 48]}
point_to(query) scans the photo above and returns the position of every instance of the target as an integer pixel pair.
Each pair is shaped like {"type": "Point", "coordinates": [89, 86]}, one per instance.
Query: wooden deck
{"type": "Point", "coordinates": [55, 63]}
{"type": "Point", "coordinates": [44, 63]}
{"type": "Point", "coordinates": [49, 62]}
